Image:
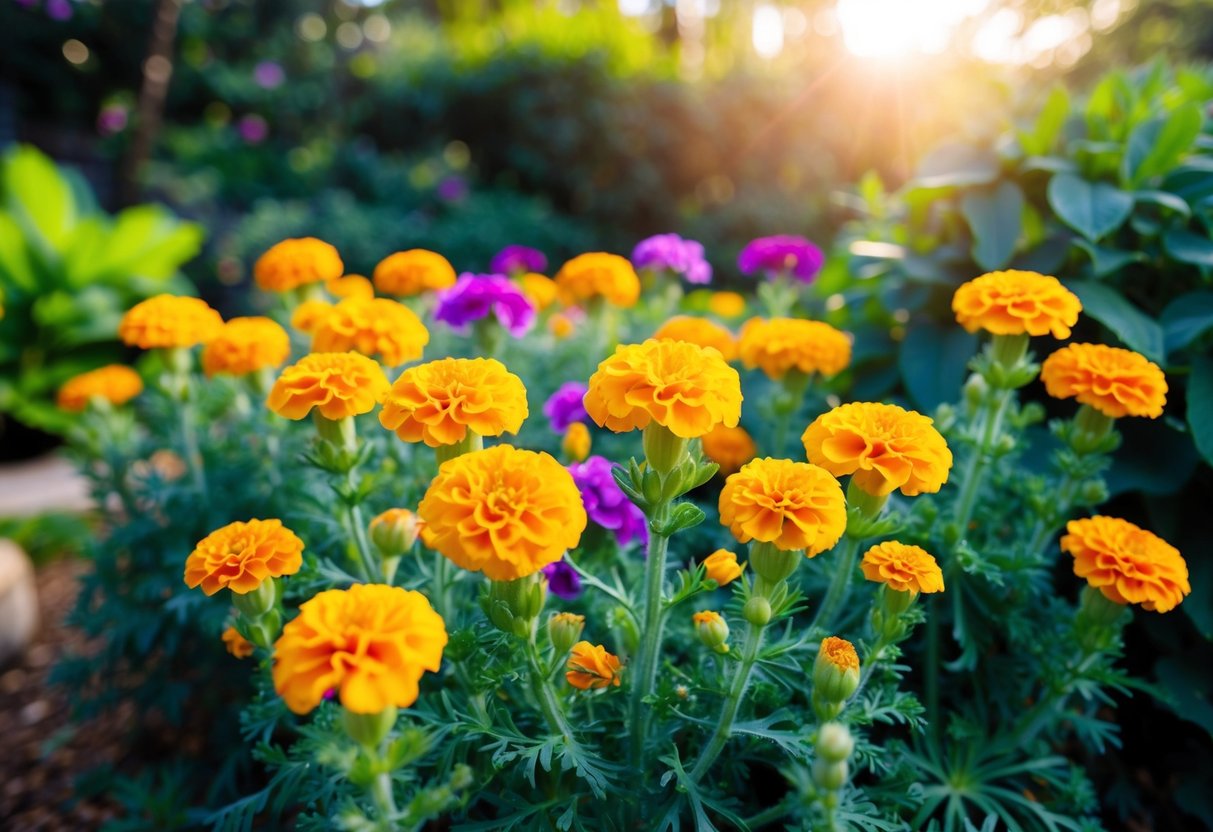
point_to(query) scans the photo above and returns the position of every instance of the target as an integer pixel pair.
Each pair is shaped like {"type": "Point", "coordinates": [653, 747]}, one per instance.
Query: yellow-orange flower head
{"type": "Point", "coordinates": [780, 345]}
{"type": "Point", "coordinates": [236, 644]}
{"type": "Point", "coordinates": [699, 331]}
{"type": "Point", "coordinates": [722, 567]}
{"type": "Point", "coordinates": [503, 511]}
{"type": "Point", "coordinates": [308, 315]}
{"type": "Point", "coordinates": [167, 321]}
{"type": "Point", "coordinates": [1128, 564]}
{"type": "Point", "coordinates": [686, 388]}
{"type": "Point", "coordinates": [577, 442]}
{"type": "Point", "coordinates": [246, 345]}
{"type": "Point", "coordinates": [884, 447]}
{"type": "Point", "coordinates": [590, 666]}
{"type": "Point", "coordinates": [727, 304]}
{"type": "Point", "coordinates": [350, 286]}
{"type": "Point", "coordinates": [114, 383]}
{"type": "Point", "coordinates": [297, 262]}
{"type": "Point", "coordinates": [378, 326]}
{"type": "Point", "coordinates": [371, 643]}
{"type": "Point", "coordinates": [413, 272]}
{"type": "Point", "coordinates": [439, 402]}
{"type": "Point", "coordinates": [240, 556]}
{"type": "Point", "coordinates": [730, 448]}
{"type": "Point", "coordinates": [598, 274]}
{"type": "Point", "coordinates": [337, 384]}
{"type": "Point", "coordinates": [902, 568]}
{"type": "Point", "coordinates": [1015, 303]}
{"type": "Point", "coordinates": [540, 289]}
{"type": "Point", "coordinates": [793, 505]}
{"type": "Point", "coordinates": [1115, 382]}
{"type": "Point", "coordinates": [840, 653]}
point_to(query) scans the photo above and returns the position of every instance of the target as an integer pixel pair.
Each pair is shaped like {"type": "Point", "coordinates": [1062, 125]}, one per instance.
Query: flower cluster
{"type": "Point", "coordinates": [671, 253]}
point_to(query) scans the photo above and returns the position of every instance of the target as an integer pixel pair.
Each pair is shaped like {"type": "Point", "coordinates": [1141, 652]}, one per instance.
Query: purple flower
{"type": "Point", "coordinates": [58, 10]}
{"type": "Point", "coordinates": [476, 296]}
{"type": "Point", "coordinates": [253, 129]}
{"type": "Point", "coordinates": [605, 503]}
{"type": "Point", "coordinates": [112, 119]}
{"type": "Point", "coordinates": [669, 252]}
{"type": "Point", "coordinates": [781, 254]}
{"type": "Point", "coordinates": [563, 580]}
{"type": "Point", "coordinates": [452, 189]}
{"type": "Point", "coordinates": [268, 75]}
{"type": "Point", "coordinates": [518, 259]}
{"type": "Point", "coordinates": [565, 406]}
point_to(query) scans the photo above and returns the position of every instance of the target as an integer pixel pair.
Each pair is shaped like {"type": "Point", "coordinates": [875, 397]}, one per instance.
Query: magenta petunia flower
{"type": "Point", "coordinates": [605, 502]}
{"type": "Point", "coordinates": [269, 75]}
{"type": "Point", "coordinates": [563, 580]}
{"type": "Point", "coordinates": [253, 128]}
{"type": "Point", "coordinates": [476, 296]}
{"type": "Point", "coordinates": [512, 259]}
{"type": "Point", "coordinates": [671, 253]}
{"type": "Point", "coordinates": [782, 254]}
{"type": "Point", "coordinates": [566, 406]}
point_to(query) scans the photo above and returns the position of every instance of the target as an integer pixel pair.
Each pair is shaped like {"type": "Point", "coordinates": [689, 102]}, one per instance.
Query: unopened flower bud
{"type": "Point", "coordinates": [369, 729]}
{"type": "Point", "coordinates": [662, 449]}
{"type": "Point", "coordinates": [564, 630]}
{"type": "Point", "coordinates": [1093, 492]}
{"type": "Point", "coordinates": [252, 605]}
{"type": "Point", "coordinates": [757, 611]}
{"type": "Point", "coordinates": [835, 676]}
{"type": "Point", "coordinates": [576, 443]}
{"type": "Point", "coordinates": [830, 776]}
{"type": "Point", "coordinates": [713, 630]}
{"type": "Point", "coordinates": [462, 776]}
{"type": "Point", "coordinates": [834, 742]}
{"type": "Point", "coordinates": [721, 566]}
{"type": "Point", "coordinates": [975, 391]}
{"type": "Point", "coordinates": [513, 605]}
{"type": "Point", "coordinates": [394, 532]}
{"type": "Point", "coordinates": [772, 564]}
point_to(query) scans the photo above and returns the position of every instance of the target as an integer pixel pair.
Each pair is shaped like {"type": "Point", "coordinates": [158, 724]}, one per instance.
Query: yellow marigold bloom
{"type": "Point", "coordinates": [540, 289]}
{"type": "Point", "coordinates": [413, 272]}
{"type": "Point", "coordinates": [779, 345]}
{"type": "Point", "coordinates": [114, 383]}
{"type": "Point", "coordinates": [439, 402]}
{"type": "Point", "coordinates": [561, 325]}
{"type": "Point", "coordinates": [840, 653]}
{"type": "Point", "coordinates": [699, 331]}
{"type": "Point", "coordinates": [394, 531]}
{"type": "Point", "coordinates": [727, 304]}
{"type": "Point", "coordinates": [308, 315]}
{"type": "Point", "coordinates": [883, 446]}
{"type": "Point", "coordinates": [1016, 302]}
{"type": "Point", "coordinates": [730, 448]}
{"type": "Point", "coordinates": [350, 286]}
{"type": "Point", "coordinates": [722, 567]}
{"type": "Point", "coordinates": [1126, 563]}
{"type": "Point", "coordinates": [236, 644]}
{"type": "Point", "coordinates": [240, 556]}
{"type": "Point", "coordinates": [372, 327]}
{"type": "Point", "coordinates": [1115, 382]}
{"type": "Point", "coordinates": [712, 629]}
{"type": "Point", "coordinates": [245, 345]}
{"type": "Point", "coordinates": [793, 505]}
{"type": "Point", "coordinates": [591, 667]}
{"type": "Point", "coordinates": [577, 442]}
{"type": "Point", "coordinates": [166, 321]}
{"type": "Point", "coordinates": [503, 511]}
{"type": "Point", "coordinates": [902, 567]}
{"type": "Point", "coordinates": [371, 643]}
{"type": "Point", "coordinates": [297, 262]}
{"type": "Point", "coordinates": [338, 384]}
{"type": "Point", "coordinates": [598, 274]}
{"type": "Point", "coordinates": [685, 387]}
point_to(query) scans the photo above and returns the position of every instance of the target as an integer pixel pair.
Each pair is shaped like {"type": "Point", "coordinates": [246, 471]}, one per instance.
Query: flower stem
{"type": "Point", "coordinates": [990, 423]}
{"type": "Point", "coordinates": [368, 564]}
{"type": "Point", "coordinates": [650, 638]}
{"type": "Point", "coordinates": [932, 667]}
{"type": "Point", "coordinates": [839, 584]}
{"type": "Point", "coordinates": [728, 712]}
{"type": "Point", "coordinates": [381, 793]}
{"type": "Point", "coordinates": [548, 704]}
{"type": "Point", "coordinates": [189, 438]}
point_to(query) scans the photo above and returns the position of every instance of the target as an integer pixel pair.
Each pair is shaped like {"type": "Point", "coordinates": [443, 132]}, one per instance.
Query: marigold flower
{"type": "Point", "coordinates": [563, 324]}
{"type": "Point", "coordinates": [439, 402]}
{"type": "Point", "coordinates": [730, 448]}
{"type": "Point", "coordinates": [840, 653]}
{"type": "Point", "coordinates": [835, 676]}
{"type": "Point", "coordinates": [577, 442]}
{"type": "Point", "coordinates": [1126, 563]}
{"type": "Point", "coordinates": [684, 387]}
{"type": "Point", "coordinates": [722, 567]}
{"type": "Point", "coordinates": [394, 531]}
{"type": "Point", "coordinates": [591, 667]}
{"type": "Point", "coordinates": [297, 262]}
{"type": "Point", "coordinates": [309, 314]}
{"type": "Point", "coordinates": [1114, 381]}
{"type": "Point", "coordinates": [413, 272]}
{"type": "Point", "coordinates": [371, 643]}
{"type": "Point", "coordinates": [712, 629]}
{"type": "Point", "coordinates": [338, 384]}
{"type": "Point", "coordinates": [540, 289]}
{"type": "Point", "coordinates": [779, 345]}
{"type": "Point", "coordinates": [236, 644]}
{"type": "Point", "coordinates": [240, 556]}
{"type": "Point", "coordinates": [793, 505]}
{"type": "Point", "coordinates": [167, 321]}
{"type": "Point", "coordinates": [1016, 302]}
{"type": "Point", "coordinates": [598, 274]}
{"type": "Point", "coordinates": [699, 331]}
{"type": "Point", "coordinates": [902, 568]}
{"type": "Point", "coordinates": [372, 327]}
{"type": "Point", "coordinates": [884, 447]}
{"type": "Point", "coordinates": [115, 383]}
{"type": "Point", "coordinates": [727, 304]}
{"type": "Point", "coordinates": [350, 286]}
{"type": "Point", "coordinates": [503, 511]}
{"type": "Point", "coordinates": [246, 345]}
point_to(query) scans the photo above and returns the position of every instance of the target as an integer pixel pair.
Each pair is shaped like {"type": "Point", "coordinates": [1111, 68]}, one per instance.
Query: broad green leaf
{"type": "Point", "coordinates": [934, 363]}
{"type": "Point", "coordinates": [1136, 329]}
{"type": "Point", "coordinates": [1157, 145]}
{"type": "Point", "coordinates": [1043, 136]}
{"type": "Point", "coordinates": [15, 266]}
{"type": "Point", "coordinates": [1093, 209]}
{"type": "Point", "coordinates": [38, 197]}
{"type": "Point", "coordinates": [996, 219]}
{"type": "Point", "coordinates": [1164, 199]}
{"type": "Point", "coordinates": [1186, 318]}
{"type": "Point", "coordinates": [1188, 246]}
{"type": "Point", "coordinates": [1136, 464]}
{"type": "Point", "coordinates": [953, 165]}
{"type": "Point", "coordinates": [1106, 261]}
{"type": "Point", "coordinates": [1191, 181]}
{"type": "Point", "coordinates": [1200, 405]}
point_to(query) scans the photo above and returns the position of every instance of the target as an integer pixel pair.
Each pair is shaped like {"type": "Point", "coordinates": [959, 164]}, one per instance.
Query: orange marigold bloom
{"type": "Point", "coordinates": [793, 505]}
{"type": "Point", "coordinates": [503, 511]}
{"type": "Point", "coordinates": [338, 384]}
{"type": "Point", "coordinates": [240, 556]}
{"type": "Point", "coordinates": [840, 653]}
{"type": "Point", "coordinates": [1126, 563]}
{"type": "Point", "coordinates": [1016, 302]}
{"type": "Point", "coordinates": [902, 567]}
{"type": "Point", "coordinates": [884, 447]}
{"type": "Point", "coordinates": [308, 315]}
{"type": "Point", "coordinates": [727, 304]}
{"type": "Point", "coordinates": [1115, 382]}
{"type": "Point", "coordinates": [245, 345]}
{"type": "Point", "coordinates": [722, 567]}
{"type": "Point", "coordinates": [166, 321]}
{"type": "Point", "coordinates": [577, 442]}
{"type": "Point", "coordinates": [728, 447]}
{"type": "Point", "coordinates": [371, 643]}
{"type": "Point", "coordinates": [115, 383]}
{"type": "Point", "coordinates": [297, 262]}
{"type": "Point", "coordinates": [699, 331]}
{"type": "Point", "coordinates": [439, 402]}
{"type": "Point", "coordinates": [561, 326]}
{"type": "Point", "coordinates": [236, 644]}
{"type": "Point", "coordinates": [372, 327]}
{"type": "Point", "coordinates": [685, 387]}
{"type": "Point", "coordinates": [779, 345]}
{"type": "Point", "coordinates": [540, 289]}
{"type": "Point", "coordinates": [350, 286]}
{"type": "Point", "coordinates": [413, 272]}
{"type": "Point", "coordinates": [590, 666]}
{"type": "Point", "coordinates": [598, 274]}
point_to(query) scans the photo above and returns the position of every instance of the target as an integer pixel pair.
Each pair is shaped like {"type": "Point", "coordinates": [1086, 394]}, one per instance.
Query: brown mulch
{"type": "Point", "coordinates": [42, 754]}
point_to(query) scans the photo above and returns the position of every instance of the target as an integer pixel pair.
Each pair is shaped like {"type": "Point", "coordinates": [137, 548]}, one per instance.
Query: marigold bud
{"type": "Point", "coordinates": [835, 676]}
{"type": "Point", "coordinates": [577, 442]}
{"type": "Point", "coordinates": [394, 532]}
{"type": "Point", "coordinates": [830, 776]}
{"type": "Point", "coordinates": [721, 566]}
{"type": "Point", "coordinates": [713, 630]}
{"type": "Point", "coordinates": [772, 564]}
{"type": "Point", "coordinates": [369, 729]}
{"type": "Point", "coordinates": [834, 742]}
{"type": "Point", "coordinates": [513, 605]}
{"type": "Point", "coordinates": [757, 611]}
{"type": "Point", "coordinates": [564, 630]}
{"type": "Point", "coordinates": [662, 449]}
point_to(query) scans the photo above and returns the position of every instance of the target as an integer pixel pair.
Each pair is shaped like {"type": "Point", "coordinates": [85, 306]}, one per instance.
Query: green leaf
{"type": "Point", "coordinates": [1156, 146]}
{"type": "Point", "coordinates": [1186, 318]}
{"type": "Point", "coordinates": [953, 165]}
{"type": "Point", "coordinates": [934, 361]}
{"type": "Point", "coordinates": [1136, 329]}
{"type": "Point", "coordinates": [38, 197]}
{"type": "Point", "coordinates": [1188, 247]}
{"type": "Point", "coordinates": [1048, 125]}
{"type": "Point", "coordinates": [1200, 405]}
{"type": "Point", "coordinates": [1154, 458]}
{"type": "Point", "coordinates": [1164, 199]}
{"type": "Point", "coordinates": [1106, 261]}
{"type": "Point", "coordinates": [1093, 209]}
{"type": "Point", "coordinates": [996, 219]}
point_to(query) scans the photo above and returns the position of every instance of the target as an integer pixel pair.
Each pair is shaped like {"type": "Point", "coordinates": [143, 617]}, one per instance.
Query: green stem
{"type": "Point", "coordinates": [839, 584]}
{"type": "Point", "coordinates": [548, 703]}
{"type": "Point", "coordinates": [990, 421]}
{"type": "Point", "coordinates": [779, 810]}
{"type": "Point", "coordinates": [728, 712]}
{"type": "Point", "coordinates": [1061, 506]}
{"type": "Point", "coordinates": [381, 793]}
{"type": "Point", "coordinates": [650, 639]}
{"type": "Point", "coordinates": [189, 438]}
{"type": "Point", "coordinates": [932, 667]}
{"type": "Point", "coordinates": [368, 563]}
{"type": "Point", "coordinates": [795, 384]}
{"type": "Point", "coordinates": [1036, 719]}
{"type": "Point", "coordinates": [441, 579]}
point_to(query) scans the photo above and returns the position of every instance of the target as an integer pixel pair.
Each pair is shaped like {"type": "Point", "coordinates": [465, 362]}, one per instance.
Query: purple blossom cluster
{"type": "Point", "coordinates": [566, 406]}
{"type": "Point", "coordinates": [563, 580]}
{"type": "Point", "coordinates": [782, 254]}
{"type": "Point", "coordinates": [518, 259]}
{"type": "Point", "coordinates": [476, 296]}
{"type": "Point", "coordinates": [605, 502]}
{"type": "Point", "coordinates": [671, 253]}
